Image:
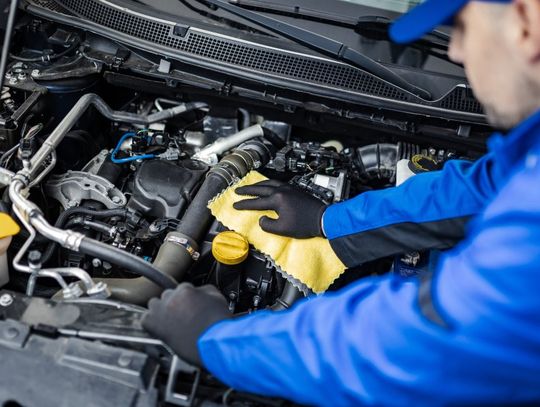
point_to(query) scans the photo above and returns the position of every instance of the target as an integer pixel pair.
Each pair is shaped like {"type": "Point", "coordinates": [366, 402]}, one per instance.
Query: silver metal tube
{"type": "Point", "coordinates": [224, 144]}
{"type": "Point", "coordinates": [43, 273]}
{"type": "Point", "coordinates": [74, 272]}
{"type": "Point", "coordinates": [55, 273]}
{"type": "Point", "coordinates": [5, 177]}
{"type": "Point", "coordinates": [66, 238]}
{"type": "Point", "coordinates": [44, 173]}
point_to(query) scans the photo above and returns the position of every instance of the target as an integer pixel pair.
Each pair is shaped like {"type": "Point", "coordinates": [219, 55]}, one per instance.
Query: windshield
{"type": "Point", "coordinates": [400, 6]}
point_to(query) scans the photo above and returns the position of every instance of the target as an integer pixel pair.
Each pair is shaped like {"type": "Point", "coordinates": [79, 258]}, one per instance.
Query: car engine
{"type": "Point", "coordinates": [109, 176]}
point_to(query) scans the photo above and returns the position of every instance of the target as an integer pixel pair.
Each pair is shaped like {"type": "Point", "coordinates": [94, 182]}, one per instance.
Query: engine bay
{"type": "Point", "coordinates": [109, 177]}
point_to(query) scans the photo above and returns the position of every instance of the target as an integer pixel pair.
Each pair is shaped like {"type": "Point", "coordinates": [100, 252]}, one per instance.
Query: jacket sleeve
{"type": "Point", "coordinates": [429, 211]}
{"type": "Point", "coordinates": [468, 335]}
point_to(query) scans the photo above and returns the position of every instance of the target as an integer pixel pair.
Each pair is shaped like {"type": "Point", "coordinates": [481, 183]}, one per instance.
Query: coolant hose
{"type": "Point", "coordinates": [126, 260]}
{"type": "Point", "coordinates": [64, 216]}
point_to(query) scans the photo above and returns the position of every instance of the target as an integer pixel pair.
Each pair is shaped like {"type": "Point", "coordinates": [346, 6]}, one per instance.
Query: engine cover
{"type": "Point", "coordinates": [163, 190]}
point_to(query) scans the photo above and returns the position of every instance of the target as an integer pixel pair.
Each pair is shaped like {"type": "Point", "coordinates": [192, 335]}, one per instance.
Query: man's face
{"type": "Point", "coordinates": [488, 39]}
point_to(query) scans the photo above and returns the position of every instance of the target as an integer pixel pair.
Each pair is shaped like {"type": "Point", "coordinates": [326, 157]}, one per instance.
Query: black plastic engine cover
{"type": "Point", "coordinates": [163, 189]}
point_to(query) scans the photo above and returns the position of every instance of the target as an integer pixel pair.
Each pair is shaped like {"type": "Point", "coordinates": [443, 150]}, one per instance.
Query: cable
{"type": "Point", "coordinates": [128, 159]}
{"type": "Point", "coordinates": [48, 57]}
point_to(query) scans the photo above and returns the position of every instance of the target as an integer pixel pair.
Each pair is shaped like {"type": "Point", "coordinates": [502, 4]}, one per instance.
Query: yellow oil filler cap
{"type": "Point", "coordinates": [230, 248]}
{"type": "Point", "coordinates": [8, 227]}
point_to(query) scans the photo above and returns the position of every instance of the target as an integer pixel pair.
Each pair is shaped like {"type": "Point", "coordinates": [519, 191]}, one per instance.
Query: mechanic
{"type": "Point", "coordinates": [470, 333]}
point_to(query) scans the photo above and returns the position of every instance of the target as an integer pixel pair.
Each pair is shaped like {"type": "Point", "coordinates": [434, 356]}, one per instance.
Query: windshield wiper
{"type": "Point", "coordinates": [324, 45]}
{"type": "Point", "coordinates": [359, 24]}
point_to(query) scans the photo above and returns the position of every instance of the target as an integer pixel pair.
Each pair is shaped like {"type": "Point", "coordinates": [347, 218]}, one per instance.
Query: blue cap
{"type": "Point", "coordinates": [427, 16]}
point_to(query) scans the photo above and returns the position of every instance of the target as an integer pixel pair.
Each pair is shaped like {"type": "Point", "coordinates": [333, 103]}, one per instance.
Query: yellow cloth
{"type": "Point", "coordinates": [310, 261]}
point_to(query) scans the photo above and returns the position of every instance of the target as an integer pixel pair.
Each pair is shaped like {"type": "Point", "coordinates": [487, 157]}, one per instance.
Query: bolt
{"type": "Point", "coordinates": [11, 333]}
{"type": "Point", "coordinates": [34, 259]}
{"type": "Point", "coordinates": [35, 73]}
{"type": "Point", "coordinates": [256, 301]}
{"type": "Point", "coordinates": [99, 290]}
{"type": "Point", "coordinates": [124, 360]}
{"type": "Point", "coordinates": [117, 199]}
{"type": "Point", "coordinates": [21, 76]}
{"type": "Point", "coordinates": [6, 300]}
{"type": "Point", "coordinates": [72, 291]}
{"type": "Point", "coordinates": [96, 262]}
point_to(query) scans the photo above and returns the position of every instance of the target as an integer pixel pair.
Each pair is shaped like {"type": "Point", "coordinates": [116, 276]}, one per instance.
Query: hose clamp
{"type": "Point", "coordinates": [73, 240]}
{"type": "Point", "coordinates": [182, 241]}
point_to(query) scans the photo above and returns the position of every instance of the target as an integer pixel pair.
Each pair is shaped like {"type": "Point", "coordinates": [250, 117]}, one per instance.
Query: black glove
{"type": "Point", "coordinates": [181, 316]}
{"type": "Point", "coordinates": [299, 213]}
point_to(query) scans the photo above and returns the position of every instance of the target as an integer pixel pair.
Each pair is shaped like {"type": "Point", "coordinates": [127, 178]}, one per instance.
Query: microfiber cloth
{"type": "Point", "coordinates": [310, 264]}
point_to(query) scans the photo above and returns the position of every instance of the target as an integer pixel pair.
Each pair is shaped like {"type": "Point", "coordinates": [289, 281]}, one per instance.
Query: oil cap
{"type": "Point", "coordinates": [8, 227]}
{"type": "Point", "coordinates": [230, 248]}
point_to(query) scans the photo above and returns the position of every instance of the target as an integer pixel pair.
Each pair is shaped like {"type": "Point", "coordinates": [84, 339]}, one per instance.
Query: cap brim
{"type": "Point", "coordinates": [424, 18]}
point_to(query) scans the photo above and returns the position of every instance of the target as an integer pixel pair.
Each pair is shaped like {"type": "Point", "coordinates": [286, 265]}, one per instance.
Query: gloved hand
{"type": "Point", "coordinates": [299, 213]}
{"type": "Point", "coordinates": [182, 315]}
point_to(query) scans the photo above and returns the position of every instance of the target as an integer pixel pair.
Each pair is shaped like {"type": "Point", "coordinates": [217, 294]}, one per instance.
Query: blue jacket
{"type": "Point", "coordinates": [468, 334]}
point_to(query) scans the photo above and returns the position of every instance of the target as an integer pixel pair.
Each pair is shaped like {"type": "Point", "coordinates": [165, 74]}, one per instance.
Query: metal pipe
{"type": "Point", "coordinates": [222, 145]}
{"type": "Point", "coordinates": [56, 273]}
{"type": "Point", "coordinates": [5, 177]}
{"type": "Point", "coordinates": [44, 173]}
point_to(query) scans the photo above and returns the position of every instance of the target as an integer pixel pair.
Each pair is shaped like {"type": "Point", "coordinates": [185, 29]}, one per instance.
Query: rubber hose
{"type": "Point", "coordinates": [288, 297]}
{"type": "Point", "coordinates": [128, 261]}
{"type": "Point", "coordinates": [172, 259]}
{"type": "Point", "coordinates": [64, 216]}
{"type": "Point", "coordinates": [197, 218]}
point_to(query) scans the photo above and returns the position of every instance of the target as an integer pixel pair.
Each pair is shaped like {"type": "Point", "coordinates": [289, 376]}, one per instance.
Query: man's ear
{"type": "Point", "coordinates": [527, 13]}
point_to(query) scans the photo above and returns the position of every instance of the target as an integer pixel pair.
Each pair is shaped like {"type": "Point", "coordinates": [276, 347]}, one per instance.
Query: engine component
{"type": "Point", "coordinates": [181, 248]}
{"type": "Point", "coordinates": [300, 157]}
{"type": "Point", "coordinates": [379, 161]}
{"type": "Point", "coordinates": [33, 219]}
{"type": "Point", "coordinates": [337, 185]}
{"type": "Point", "coordinates": [73, 187]}
{"type": "Point", "coordinates": [230, 250]}
{"type": "Point", "coordinates": [163, 190]}
{"type": "Point", "coordinates": [220, 123]}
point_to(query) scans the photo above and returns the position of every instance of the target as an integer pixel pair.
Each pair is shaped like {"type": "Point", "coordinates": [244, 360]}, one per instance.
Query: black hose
{"type": "Point", "coordinates": [97, 226]}
{"type": "Point", "coordinates": [197, 218]}
{"type": "Point", "coordinates": [47, 57]}
{"type": "Point", "coordinates": [273, 138]}
{"type": "Point", "coordinates": [64, 216]}
{"type": "Point", "coordinates": [288, 297]}
{"type": "Point", "coordinates": [126, 260]}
